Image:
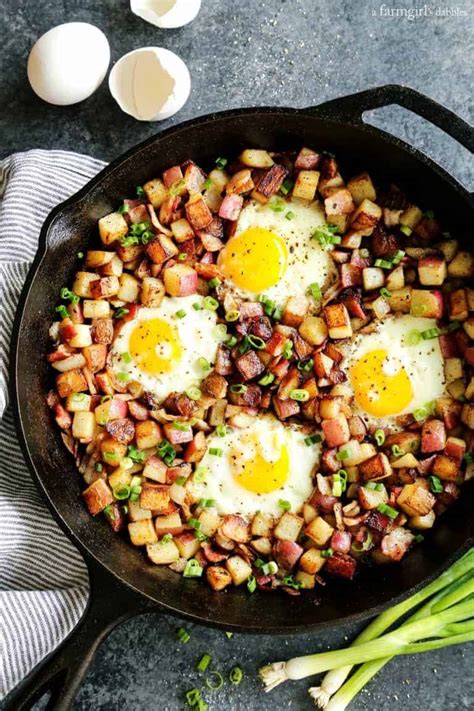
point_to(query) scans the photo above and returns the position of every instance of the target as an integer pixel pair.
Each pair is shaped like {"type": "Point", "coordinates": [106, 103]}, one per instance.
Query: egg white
{"type": "Point", "coordinates": [307, 262]}
{"type": "Point", "coordinates": [422, 362]}
{"type": "Point", "coordinates": [197, 336]}
{"type": "Point", "coordinates": [265, 436]}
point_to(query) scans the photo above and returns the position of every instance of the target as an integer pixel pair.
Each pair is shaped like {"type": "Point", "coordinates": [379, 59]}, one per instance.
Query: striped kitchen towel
{"type": "Point", "coordinates": [43, 579]}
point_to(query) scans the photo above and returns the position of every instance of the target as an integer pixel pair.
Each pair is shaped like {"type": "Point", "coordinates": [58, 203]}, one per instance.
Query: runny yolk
{"type": "Point", "coordinates": [381, 385]}
{"type": "Point", "coordinates": [261, 476]}
{"type": "Point", "coordinates": [254, 260]}
{"type": "Point", "coordinates": [155, 346]}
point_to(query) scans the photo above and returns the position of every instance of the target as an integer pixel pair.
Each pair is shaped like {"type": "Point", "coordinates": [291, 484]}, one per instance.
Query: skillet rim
{"type": "Point", "coordinates": [90, 557]}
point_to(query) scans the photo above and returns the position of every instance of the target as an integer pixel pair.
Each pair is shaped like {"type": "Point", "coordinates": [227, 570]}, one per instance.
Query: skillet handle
{"type": "Point", "coordinates": [351, 108]}
{"type": "Point", "coordinates": [62, 671]}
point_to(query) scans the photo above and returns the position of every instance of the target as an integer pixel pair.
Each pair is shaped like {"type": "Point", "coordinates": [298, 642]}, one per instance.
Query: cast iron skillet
{"type": "Point", "coordinates": [122, 582]}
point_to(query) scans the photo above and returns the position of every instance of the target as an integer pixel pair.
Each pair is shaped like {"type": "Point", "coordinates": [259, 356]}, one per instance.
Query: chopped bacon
{"type": "Point", "coordinates": [260, 326]}
{"type": "Point", "coordinates": [213, 555]}
{"type": "Point", "coordinates": [249, 365]}
{"type": "Point", "coordinates": [270, 182]}
{"type": "Point", "coordinates": [323, 502]}
{"type": "Point", "coordinates": [341, 541]}
{"type": "Point", "coordinates": [231, 206]}
{"type": "Point", "coordinates": [223, 364]}
{"type": "Point", "coordinates": [287, 553]}
{"type": "Point", "coordinates": [395, 544]}
{"type": "Point", "coordinates": [285, 408]}
{"type": "Point", "coordinates": [251, 397]}
{"type": "Point", "coordinates": [122, 430]}
{"type": "Point", "coordinates": [236, 528]}
{"type": "Point", "coordinates": [341, 565]}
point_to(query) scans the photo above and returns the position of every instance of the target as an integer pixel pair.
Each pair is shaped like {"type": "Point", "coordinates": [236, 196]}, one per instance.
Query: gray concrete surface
{"type": "Point", "coordinates": [284, 52]}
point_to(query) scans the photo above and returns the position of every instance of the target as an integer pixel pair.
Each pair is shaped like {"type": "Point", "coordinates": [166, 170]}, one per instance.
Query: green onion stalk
{"type": "Point", "coordinates": [438, 619]}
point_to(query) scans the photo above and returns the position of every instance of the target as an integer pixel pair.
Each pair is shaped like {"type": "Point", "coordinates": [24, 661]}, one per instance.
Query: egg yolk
{"type": "Point", "coordinates": [261, 476]}
{"type": "Point", "coordinates": [381, 385]}
{"type": "Point", "coordinates": [155, 346]}
{"type": "Point", "coordinates": [254, 260]}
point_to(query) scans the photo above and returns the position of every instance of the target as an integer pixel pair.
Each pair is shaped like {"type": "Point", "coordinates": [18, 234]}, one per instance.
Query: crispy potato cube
{"type": "Point", "coordinates": [375, 468]}
{"type": "Point", "coordinates": [218, 577]}
{"type": "Point", "coordinates": [97, 496]}
{"type": "Point", "coordinates": [422, 523]}
{"type": "Point", "coordinates": [262, 524]}
{"type": "Point", "coordinates": [188, 544]}
{"type": "Point", "coordinates": [395, 279]}
{"type": "Point", "coordinates": [432, 270]}
{"type": "Point", "coordinates": [369, 499]}
{"type": "Point", "coordinates": [162, 553]}
{"type": "Point", "coordinates": [210, 522]}
{"type": "Point", "coordinates": [468, 326]}
{"type": "Point", "coordinates": [330, 407]}
{"type": "Point", "coordinates": [256, 158]}
{"type": "Point", "coordinates": [295, 310]}
{"type": "Point", "coordinates": [306, 580]}
{"type": "Point", "coordinates": [462, 266]}
{"type": "Point", "coordinates": [314, 330]}
{"type": "Point", "coordinates": [155, 497]}
{"type": "Point", "coordinates": [78, 402]}
{"type": "Point", "coordinates": [153, 291]}
{"type": "Point", "coordinates": [83, 336]}
{"type": "Point", "coordinates": [114, 268]}
{"type": "Point", "coordinates": [112, 228]}
{"type": "Point", "coordinates": [105, 288]}
{"type": "Point", "coordinates": [362, 188]}
{"type": "Point", "coordinates": [445, 468]}
{"type": "Point", "coordinates": [155, 468]}
{"type": "Point", "coordinates": [366, 216]}
{"type": "Point", "coordinates": [82, 284]}
{"type": "Point", "coordinates": [147, 434]}
{"type": "Point", "coordinates": [180, 280]}
{"type": "Point", "coordinates": [136, 513]}
{"type": "Point", "coordinates": [71, 382]}
{"type": "Point", "coordinates": [306, 185]}
{"type": "Point", "coordinates": [83, 426]}
{"type": "Point", "coordinates": [170, 523]}
{"type": "Point", "coordinates": [467, 415]}
{"type": "Point", "coordinates": [198, 213]}
{"type": "Point", "coordinates": [312, 561]}
{"type": "Point", "coordinates": [415, 500]}
{"type": "Point", "coordinates": [428, 302]}
{"type": "Point", "coordinates": [112, 451]}
{"type": "Point", "coordinates": [196, 449]}
{"type": "Point", "coordinates": [96, 308]}
{"type": "Point", "coordinates": [120, 478]}
{"type": "Point", "coordinates": [182, 230]}
{"type": "Point", "coordinates": [458, 308]}
{"type": "Point", "coordinates": [238, 568]}
{"type": "Point", "coordinates": [161, 249]}
{"type": "Point", "coordinates": [411, 216]}
{"type": "Point", "coordinates": [469, 392]}
{"type": "Point", "coordinates": [97, 258]}
{"type": "Point", "coordinates": [262, 545]}
{"type": "Point", "coordinates": [156, 192]}
{"type": "Point", "coordinates": [400, 300]}
{"type": "Point", "coordinates": [142, 532]}
{"type": "Point", "coordinates": [319, 531]}
{"type": "Point", "coordinates": [338, 321]}
{"type": "Point", "coordinates": [453, 369]}
{"type": "Point", "coordinates": [129, 288]}
{"type": "Point", "coordinates": [373, 278]}
{"type": "Point", "coordinates": [336, 430]}
{"type": "Point", "coordinates": [288, 527]}
{"type": "Point", "coordinates": [95, 356]}
{"type": "Point", "coordinates": [339, 202]}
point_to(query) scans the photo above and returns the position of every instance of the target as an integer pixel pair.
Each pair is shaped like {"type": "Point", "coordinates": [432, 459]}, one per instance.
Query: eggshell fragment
{"type": "Point", "coordinates": [166, 13]}
{"type": "Point", "coordinates": [150, 84]}
{"type": "Point", "coordinates": [68, 63]}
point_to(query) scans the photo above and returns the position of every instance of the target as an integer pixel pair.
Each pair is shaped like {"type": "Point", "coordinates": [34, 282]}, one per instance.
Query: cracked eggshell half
{"type": "Point", "coordinates": [150, 84]}
{"type": "Point", "coordinates": [68, 63]}
{"type": "Point", "coordinates": [167, 14]}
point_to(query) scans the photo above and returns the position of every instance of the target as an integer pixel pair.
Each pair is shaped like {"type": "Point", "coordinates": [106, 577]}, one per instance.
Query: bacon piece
{"type": "Point", "coordinates": [383, 244]}
{"type": "Point", "coordinates": [196, 449]}
{"type": "Point", "coordinates": [285, 408]}
{"type": "Point", "coordinates": [287, 553]}
{"type": "Point", "coordinates": [137, 410]}
{"type": "Point", "coordinates": [276, 344]}
{"type": "Point", "coordinates": [341, 541]}
{"type": "Point", "coordinates": [307, 159]}
{"type": "Point", "coordinates": [122, 430]}
{"type": "Point", "coordinates": [433, 436]}
{"type": "Point", "coordinates": [250, 398]}
{"type": "Point", "coordinates": [396, 543]}
{"type": "Point", "coordinates": [62, 417]}
{"type": "Point", "coordinates": [231, 206]}
{"type": "Point", "coordinates": [342, 565]}
{"type": "Point", "coordinates": [223, 364]}
{"type": "Point", "coordinates": [213, 555]}
{"type": "Point", "coordinates": [329, 461]}
{"type": "Point", "coordinates": [260, 326]}
{"type": "Point", "coordinates": [102, 330]}
{"type": "Point", "coordinates": [177, 436]}
{"type": "Point", "coordinates": [350, 275]}
{"type": "Point", "coordinates": [352, 301]}
{"type": "Point", "coordinates": [211, 237]}
{"type": "Point", "coordinates": [116, 517]}
{"type": "Point", "coordinates": [236, 528]}
{"type": "Point", "coordinates": [270, 182]}
{"type": "Point", "coordinates": [62, 352]}
{"type": "Point", "coordinates": [214, 385]}
{"type": "Point", "coordinates": [249, 365]}
{"type": "Point", "coordinates": [378, 522]}
{"type": "Point", "coordinates": [323, 502]}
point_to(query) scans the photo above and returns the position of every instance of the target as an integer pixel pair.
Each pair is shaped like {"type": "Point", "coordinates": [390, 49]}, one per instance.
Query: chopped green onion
{"type": "Point", "coordinates": [180, 481]}
{"type": "Point", "coordinates": [286, 186]}
{"type": "Point", "coordinates": [299, 394]}
{"type": "Point", "coordinates": [436, 484]}
{"type": "Point", "coordinates": [221, 430]}
{"type": "Point", "coordinates": [129, 240]}
{"type": "Point", "coordinates": [327, 553]}
{"type": "Point", "coordinates": [167, 538]}
{"type": "Point", "coordinates": [176, 188]}
{"type": "Point", "coordinates": [313, 439]}
{"type": "Point", "coordinates": [200, 473]}
{"type": "Point", "coordinates": [229, 635]}
{"type": "Point", "coordinates": [413, 338]}
{"type": "Point", "coordinates": [215, 451]}
{"type": "Point", "coordinates": [182, 426]}
{"type": "Point", "coordinates": [200, 536]}
{"type": "Point", "coordinates": [126, 357]}
{"type": "Point", "coordinates": [105, 398]}
{"type": "Point", "coordinates": [315, 290]}
{"type": "Point", "coordinates": [284, 505]}
{"type": "Point", "coordinates": [406, 230]}
{"type": "Point", "coordinates": [232, 316]}
{"type": "Point", "coordinates": [430, 333]}
{"type": "Point", "coordinates": [251, 584]}
{"type": "Point", "coordinates": [210, 303]}
{"type": "Point", "coordinates": [397, 451]}
{"type": "Point", "coordinates": [339, 482]}
{"type": "Point", "coordinates": [122, 209]}
{"type": "Point", "coordinates": [342, 455]}
{"type": "Point", "coordinates": [267, 379]}
{"type": "Point", "coordinates": [109, 512]}
{"type": "Point", "coordinates": [277, 313]}
{"type": "Point", "coordinates": [207, 184]}
{"type": "Point", "coordinates": [276, 204]}
{"type": "Point", "coordinates": [468, 458]}
{"type": "Point", "coordinates": [290, 215]}
{"type": "Point", "coordinates": [383, 263]}
{"type": "Point", "coordinates": [397, 258]}
{"type": "Point", "coordinates": [182, 256]}
{"type": "Point", "coordinates": [220, 331]}
{"type": "Point", "coordinates": [238, 388]}
{"type": "Point", "coordinates": [231, 342]}
{"type": "Point", "coordinates": [214, 282]}
{"type": "Point", "coordinates": [287, 352]}
{"type": "Point", "coordinates": [122, 493]}
{"type": "Point", "coordinates": [221, 162]}
{"type": "Point", "coordinates": [387, 510]}
{"type": "Point", "coordinates": [290, 582]}
{"type": "Point", "coordinates": [80, 255]}
{"type": "Point", "coordinates": [193, 698]}
{"type": "Point", "coordinates": [306, 366]}
{"type": "Point", "coordinates": [183, 636]}
{"type": "Point", "coordinates": [167, 452]}
{"type": "Point", "coordinates": [215, 686]}
{"type": "Point", "coordinates": [256, 342]}
{"type": "Point", "coordinates": [236, 676]}
{"type": "Point", "coordinates": [99, 467]}
{"type": "Point", "coordinates": [326, 236]}
{"type": "Point", "coordinates": [135, 454]}
{"type": "Point", "coordinates": [62, 311]}
{"type": "Point", "coordinates": [419, 538]}
{"type": "Point", "coordinates": [429, 214]}
{"type": "Point", "coordinates": [269, 307]}
{"type": "Point", "coordinates": [379, 436]}
{"type": "Point", "coordinates": [363, 547]}
{"type": "Point", "coordinates": [418, 310]}
{"type": "Point", "coordinates": [204, 662]}
{"type": "Point", "coordinates": [135, 492]}
{"type": "Point", "coordinates": [453, 326]}
{"type": "Point", "coordinates": [269, 568]}
{"type": "Point", "coordinates": [180, 314]}
{"type": "Point", "coordinates": [197, 306]}
{"type": "Point", "coordinates": [374, 486]}
{"type": "Point", "coordinates": [192, 569]}
{"type": "Point", "coordinates": [207, 503]}
{"type": "Point", "coordinates": [120, 313]}
{"type": "Point", "coordinates": [193, 393]}
{"type": "Point", "coordinates": [140, 193]}
{"type": "Point", "coordinates": [194, 523]}
{"type": "Point", "coordinates": [123, 377]}
{"type": "Point", "coordinates": [385, 293]}
{"type": "Point", "coordinates": [68, 295]}
{"type": "Point", "coordinates": [204, 363]}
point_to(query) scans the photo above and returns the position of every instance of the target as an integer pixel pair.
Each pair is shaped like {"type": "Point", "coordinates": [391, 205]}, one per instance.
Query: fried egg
{"type": "Point", "coordinates": [393, 371]}
{"type": "Point", "coordinates": [275, 256]}
{"type": "Point", "coordinates": [252, 469]}
{"type": "Point", "coordinates": [161, 347]}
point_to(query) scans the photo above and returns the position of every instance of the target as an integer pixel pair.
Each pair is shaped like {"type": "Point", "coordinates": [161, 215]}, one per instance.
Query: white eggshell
{"type": "Point", "coordinates": [68, 63]}
{"type": "Point", "coordinates": [150, 84]}
{"type": "Point", "coordinates": [166, 13]}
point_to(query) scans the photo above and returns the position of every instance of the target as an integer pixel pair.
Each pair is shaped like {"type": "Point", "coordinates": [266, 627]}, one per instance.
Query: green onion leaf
{"type": "Point", "coordinates": [204, 363]}
{"type": "Point", "coordinates": [62, 311]}
{"type": "Point", "coordinates": [290, 215]}
{"type": "Point", "coordinates": [251, 584]}
{"type": "Point", "coordinates": [210, 303]}
{"type": "Point", "coordinates": [236, 676]}
{"type": "Point", "coordinates": [266, 379]}
{"type": "Point", "coordinates": [406, 230]}
{"type": "Point", "coordinates": [207, 184]}
{"type": "Point", "coordinates": [284, 505]}
{"type": "Point", "coordinates": [180, 314]}
{"type": "Point", "coordinates": [379, 436]}
{"type": "Point", "coordinates": [430, 333]}
{"type": "Point", "coordinates": [120, 313]}
{"type": "Point", "coordinates": [238, 388]}
{"type": "Point", "coordinates": [315, 291]}
{"type": "Point", "coordinates": [221, 162]}
{"type": "Point", "coordinates": [232, 316]}
{"type": "Point", "coordinates": [327, 553]}
{"type": "Point", "coordinates": [193, 393]}
{"type": "Point", "coordinates": [313, 439]}
{"type": "Point", "coordinates": [216, 451]}
{"type": "Point", "coordinates": [122, 493]}
{"type": "Point", "coordinates": [305, 366]}
{"type": "Point", "coordinates": [200, 473]}
{"type": "Point", "coordinates": [197, 307]}
{"type": "Point", "coordinates": [126, 357]}
{"type": "Point", "coordinates": [183, 636]}
{"type": "Point", "coordinates": [299, 394]}
{"type": "Point", "coordinates": [192, 569]}
{"type": "Point", "coordinates": [286, 186]}
{"type": "Point", "coordinates": [204, 662]}
{"type": "Point", "coordinates": [387, 510]}
{"type": "Point", "coordinates": [135, 454]}
{"type": "Point", "coordinates": [385, 293]}
{"type": "Point", "coordinates": [397, 451]}
{"type": "Point", "coordinates": [231, 342]}
{"type": "Point", "coordinates": [342, 455]}
{"type": "Point", "coordinates": [436, 484]}
{"type": "Point", "coordinates": [276, 204]}
{"type": "Point", "coordinates": [167, 538]}
{"type": "Point", "coordinates": [218, 683]}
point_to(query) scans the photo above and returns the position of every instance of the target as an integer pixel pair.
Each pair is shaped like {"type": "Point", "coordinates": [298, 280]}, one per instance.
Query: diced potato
{"type": "Point", "coordinates": [445, 468]}
{"type": "Point", "coordinates": [238, 568]}
{"type": "Point", "coordinates": [97, 496]}
{"type": "Point", "coordinates": [462, 266]}
{"type": "Point", "coordinates": [218, 577]}
{"type": "Point", "coordinates": [366, 216]}
{"type": "Point", "coordinates": [415, 500]}
{"type": "Point", "coordinates": [467, 415]}
{"type": "Point", "coordinates": [256, 158]}
{"type": "Point", "coordinates": [263, 546]}
{"type": "Point", "coordinates": [129, 288]}
{"type": "Point", "coordinates": [362, 188]}
{"type": "Point", "coordinates": [432, 270]}
{"type": "Point", "coordinates": [113, 268]}
{"type": "Point", "coordinates": [97, 308]}
{"type": "Point", "coordinates": [453, 369]}
{"type": "Point", "coordinates": [182, 230]}
{"type": "Point", "coordinates": [306, 580]}
{"type": "Point", "coordinates": [147, 434]}
{"type": "Point", "coordinates": [155, 469]}
{"type": "Point", "coordinates": [422, 523]}
{"type": "Point", "coordinates": [78, 402]}
{"type": "Point", "coordinates": [83, 425]}
{"type": "Point", "coordinates": [295, 310]}
{"type": "Point", "coordinates": [400, 300]}
{"type": "Point", "coordinates": [306, 185]}
{"type": "Point", "coordinates": [427, 302]}
{"type": "Point", "coordinates": [155, 497]}
{"type": "Point", "coordinates": [288, 527]}
{"type": "Point", "coordinates": [338, 321]}
{"type": "Point", "coordinates": [136, 513]}
{"type": "Point", "coordinates": [373, 278]}
{"type": "Point", "coordinates": [314, 330]}
{"type": "Point", "coordinates": [338, 203]}
{"type": "Point", "coordinates": [369, 499]}
{"type": "Point", "coordinates": [312, 561]}
{"type": "Point", "coordinates": [210, 522]}
{"type": "Point", "coordinates": [83, 336]}
{"type": "Point", "coordinates": [188, 544]}
{"type": "Point", "coordinates": [142, 532]}
{"type": "Point", "coordinates": [119, 479]}
{"type": "Point", "coordinates": [153, 291]}
{"type": "Point", "coordinates": [319, 531]}
{"type": "Point", "coordinates": [180, 280]}
{"type": "Point", "coordinates": [395, 279]}
{"type": "Point", "coordinates": [170, 523]}
{"type": "Point", "coordinates": [162, 553]}
{"type": "Point", "coordinates": [112, 451]}
{"type": "Point", "coordinates": [262, 524]}
{"type": "Point", "coordinates": [71, 382]}
{"type": "Point", "coordinates": [97, 258]}
{"type": "Point", "coordinates": [468, 326]}
{"type": "Point", "coordinates": [411, 216]}
{"type": "Point", "coordinates": [112, 228]}
{"type": "Point", "coordinates": [458, 306]}
{"type": "Point", "coordinates": [95, 355]}
{"type": "Point", "coordinates": [82, 284]}
{"type": "Point", "coordinates": [330, 407]}
{"type": "Point", "coordinates": [105, 288]}
{"type": "Point", "coordinates": [156, 192]}
{"type": "Point", "coordinates": [375, 468]}
{"type": "Point", "coordinates": [407, 461]}
{"type": "Point", "coordinates": [71, 363]}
